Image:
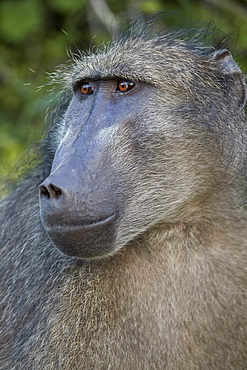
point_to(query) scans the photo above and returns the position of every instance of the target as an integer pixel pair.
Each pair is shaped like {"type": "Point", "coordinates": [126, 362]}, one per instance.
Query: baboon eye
{"type": "Point", "coordinates": [124, 86]}
{"type": "Point", "coordinates": [86, 88]}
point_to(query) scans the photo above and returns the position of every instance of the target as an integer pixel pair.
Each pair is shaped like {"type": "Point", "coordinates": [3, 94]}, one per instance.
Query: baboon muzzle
{"type": "Point", "coordinates": [79, 219]}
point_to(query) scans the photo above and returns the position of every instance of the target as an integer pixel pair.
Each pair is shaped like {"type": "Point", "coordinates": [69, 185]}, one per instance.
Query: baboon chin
{"type": "Point", "coordinates": [142, 182]}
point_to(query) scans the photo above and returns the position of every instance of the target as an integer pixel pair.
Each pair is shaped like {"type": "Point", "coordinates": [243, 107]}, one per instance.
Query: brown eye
{"type": "Point", "coordinates": [86, 88]}
{"type": "Point", "coordinates": [124, 86]}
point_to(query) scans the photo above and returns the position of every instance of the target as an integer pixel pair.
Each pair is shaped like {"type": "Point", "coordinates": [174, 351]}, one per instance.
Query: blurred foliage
{"type": "Point", "coordinates": [34, 38]}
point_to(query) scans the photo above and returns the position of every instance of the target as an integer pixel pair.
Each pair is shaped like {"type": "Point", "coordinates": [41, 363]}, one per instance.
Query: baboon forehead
{"type": "Point", "coordinates": [159, 61]}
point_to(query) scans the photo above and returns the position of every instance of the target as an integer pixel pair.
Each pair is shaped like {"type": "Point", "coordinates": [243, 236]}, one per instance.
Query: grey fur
{"type": "Point", "coordinates": [171, 294]}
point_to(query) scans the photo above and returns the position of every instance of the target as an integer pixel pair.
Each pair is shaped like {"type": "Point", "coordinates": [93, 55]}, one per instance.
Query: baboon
{"type": "Point", "coordinates": [125, 247]}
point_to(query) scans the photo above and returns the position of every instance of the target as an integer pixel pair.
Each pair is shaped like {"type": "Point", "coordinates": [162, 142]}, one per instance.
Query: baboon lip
{"type": "Point", "coordinates": [80, 226]}
{"type": "Point", "coordinates": [86, 240]}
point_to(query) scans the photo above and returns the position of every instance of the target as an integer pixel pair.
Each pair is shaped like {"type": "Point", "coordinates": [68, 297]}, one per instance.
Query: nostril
{"type": "Point", "coordinates": [44, 193]}
{"type": "Point", "coordinates": [55, 191]}
{"type": "Point", "coordinates": [50, 191]}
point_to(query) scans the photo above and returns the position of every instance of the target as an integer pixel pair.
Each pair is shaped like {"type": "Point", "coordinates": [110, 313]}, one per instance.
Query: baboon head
{"type": "Point", "coordinates": [148, 139]}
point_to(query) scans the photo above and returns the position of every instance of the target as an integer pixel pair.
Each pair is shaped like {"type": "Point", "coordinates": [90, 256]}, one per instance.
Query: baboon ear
{"type": "Point", "coordinates": [232, 75]}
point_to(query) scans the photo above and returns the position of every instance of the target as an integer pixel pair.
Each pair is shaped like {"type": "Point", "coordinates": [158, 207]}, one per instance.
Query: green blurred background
{"type": "Point", "coordinates": [35, 36]}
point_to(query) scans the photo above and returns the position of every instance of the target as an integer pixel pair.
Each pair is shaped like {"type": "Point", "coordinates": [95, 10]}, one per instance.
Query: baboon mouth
{"type": "Point", "coordinates": [75, 226]}
{"type": "Point", "coordinates": [87, 240]}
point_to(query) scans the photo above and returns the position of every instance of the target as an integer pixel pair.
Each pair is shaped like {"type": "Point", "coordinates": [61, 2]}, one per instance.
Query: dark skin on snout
{"type": "Point", "coordinates": [125, 247]}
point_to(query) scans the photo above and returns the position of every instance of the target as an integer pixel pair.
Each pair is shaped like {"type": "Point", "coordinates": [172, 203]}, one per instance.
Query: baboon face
{"type": "Point", "coordinates": [100, 169]}
{"type": "Point", "coordinates": [130, 153]}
